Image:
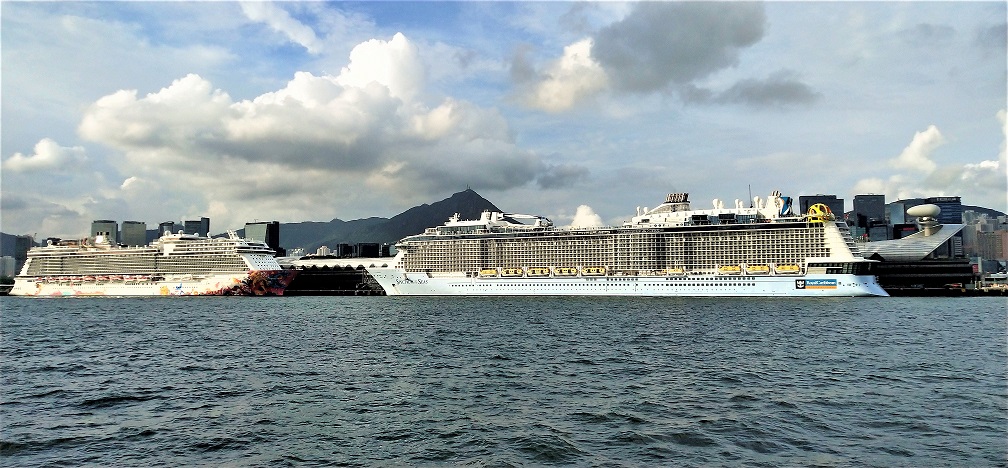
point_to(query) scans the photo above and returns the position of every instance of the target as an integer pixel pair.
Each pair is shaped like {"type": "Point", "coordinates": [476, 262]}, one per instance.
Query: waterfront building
{"type": "Point", "coordinates": [106, 227]}
{"type": "Point", "coordinates": [134, 233]}
{"type": "Point", "coordinates": [199, 227]}
{"type": "Point", "coordinates": [22, 244]}
{"type": "Point", "coordinates": [992, 244]}
{"type": "Point", "coordinates": [869, 213]}
{"type": "Point", "coordinates": [266, 232]}
{"type": "Point", "coordinates": [7, 264]}
{"type": "Point", "coordinates": [167, 226]}
{"type": "Point", "coordinates": [951, 209]}
{"type": "Point", "coordinates": [836, 205]}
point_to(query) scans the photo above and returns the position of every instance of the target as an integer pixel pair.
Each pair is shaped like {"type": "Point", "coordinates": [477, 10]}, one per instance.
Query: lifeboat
{"type": "Point", "coordinates": [488, 272]}
{"type": "Point", "coordinates": [758, 269]}
{"type": "Point", "coordinates": [675, 271]}
{"type": "Point", "coordinates": [538, 271]}
{"type": "Point", "coordinates": [565, 271]}
{"type": "Point", "coordinates": [593, 271]}
{"type": "Point", "coordinates": [729, 270]}
{"type": "Point", "coordinates": [788, 269]}
{"type": "Point", "coordinates": [512, 272]}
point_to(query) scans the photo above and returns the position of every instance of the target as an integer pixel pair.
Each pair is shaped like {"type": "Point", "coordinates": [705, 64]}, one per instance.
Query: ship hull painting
{"type": "Point", "coordinates": [173, 265]}
{"type": "Point", "coordinates": [253, 283]}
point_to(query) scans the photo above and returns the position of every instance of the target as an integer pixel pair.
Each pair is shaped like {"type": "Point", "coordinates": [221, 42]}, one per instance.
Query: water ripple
{"type": "Point", "coordinates": [503, 382]}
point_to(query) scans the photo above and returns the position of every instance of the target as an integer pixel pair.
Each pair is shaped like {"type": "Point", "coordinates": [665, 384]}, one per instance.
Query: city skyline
{"type": "Point", "coordinates": [314, 111]}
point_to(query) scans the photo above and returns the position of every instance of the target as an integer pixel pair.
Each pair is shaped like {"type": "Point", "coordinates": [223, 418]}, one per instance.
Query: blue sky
{"type": "Point", "coordinates": [289, 111]}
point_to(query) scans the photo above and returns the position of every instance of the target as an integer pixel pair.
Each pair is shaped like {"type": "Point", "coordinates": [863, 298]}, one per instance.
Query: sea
{"type": "Point", "coordinates": [502, 381]}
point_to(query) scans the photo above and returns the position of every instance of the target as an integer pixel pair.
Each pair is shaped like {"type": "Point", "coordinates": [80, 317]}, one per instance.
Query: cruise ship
{"type": "Point", "coordinates": [173, 265]}
{"type": "Point", "coordinates": [671, 250]}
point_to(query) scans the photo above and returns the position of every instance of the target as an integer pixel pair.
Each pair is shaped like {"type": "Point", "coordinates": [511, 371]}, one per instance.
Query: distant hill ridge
{"type": "Point", "coordinates": [311, 235]}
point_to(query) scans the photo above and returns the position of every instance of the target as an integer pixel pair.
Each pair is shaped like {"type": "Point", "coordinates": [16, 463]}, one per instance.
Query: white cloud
{"type": "Point", "coordinates": [917, 155]}
{"type": "Point", "coordinates": [279, 20]}
{"type": "Point", "coordinates": [394, 64]}
{"type": "Point", "coordinates": [586, 217]}
{"type": "Point", "coordinates": [48, 156]}
{"type": "Point", "coordinates": [569, 79]}
{"type": "Point", "coordinates": [315, 139]}
{"type": "Point", "coordinates": [983, 183]}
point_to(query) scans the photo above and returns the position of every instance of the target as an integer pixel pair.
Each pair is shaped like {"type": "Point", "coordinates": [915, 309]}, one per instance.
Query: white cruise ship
{"type": "Point", "coordinates": [671, 250]}
{"type": "Point", "coordinates": [175, 264]}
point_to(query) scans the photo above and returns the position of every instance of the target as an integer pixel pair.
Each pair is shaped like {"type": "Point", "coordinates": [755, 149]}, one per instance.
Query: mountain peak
{"type": "Point", "coordinates": [467, 203]}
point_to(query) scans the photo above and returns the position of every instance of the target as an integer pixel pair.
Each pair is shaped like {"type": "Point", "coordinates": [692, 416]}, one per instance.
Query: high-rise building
{"type": "Point", "coordinates": [868, 208]}
{"type": "Point", "coordinates": [869, 213]}
{"type": "Point", "coordinates": [107, 228]}
{"type": "Point", "coordinates": [897, 213]}
{"type": "Point", "coordinates": [951, 209]}
{"type": "Point", "coordinates": [993, 245]}
{"type": "Point", "coordinates": [134, 233]}
{"type": "Point", "coordinates": [21, 246]}
{"type": "Point", "coordinates": [836, 205]}
{"type": "Point", "coordinates": [7, 264]}
{"type": "Point", "coordinates": [268, 232]}
{"type": "Point", "coordinates": [199, 228]}
{"type": "Point", "coordinates": [167, 226]}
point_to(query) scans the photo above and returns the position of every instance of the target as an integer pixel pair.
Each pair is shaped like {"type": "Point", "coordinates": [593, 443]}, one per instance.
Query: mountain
{"type": "Point", "coordinates": [310, 235]}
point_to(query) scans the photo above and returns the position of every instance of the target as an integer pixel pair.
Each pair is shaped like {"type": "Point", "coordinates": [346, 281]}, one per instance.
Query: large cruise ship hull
{"type": "Point", "coordinates": [253, 283]}
{"type": "Point", "coordinates": [396, 282]}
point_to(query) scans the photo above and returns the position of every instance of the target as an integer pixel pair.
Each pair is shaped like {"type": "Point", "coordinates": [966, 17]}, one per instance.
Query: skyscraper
{"type": "Point", "coordinates": [867, 208]}
{"type": "Point", "coordinates": [869, 217]}
{"type": "Point", "coordinates": [268, 232]}
{"type": "Point", "coordinates": [951, 209]}
{"type": "Point", "coordinates": [134, 233]}
{"type": "Point", "coordinates": [21, 246]}
{"type": "Point", "coordinates": [199, 228]}
{"type": "Point", "coordinates": [167, 226]}
{"type": "Point", "coordinates": [106, 227]}
{"type": "Point", "coordinates": [836, 205]}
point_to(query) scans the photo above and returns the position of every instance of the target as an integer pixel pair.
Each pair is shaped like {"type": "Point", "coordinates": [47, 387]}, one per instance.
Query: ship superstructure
{"type": "Point", "coordinates": [762, 250]}
{"type": "Point", "coordinates": [174, 264]}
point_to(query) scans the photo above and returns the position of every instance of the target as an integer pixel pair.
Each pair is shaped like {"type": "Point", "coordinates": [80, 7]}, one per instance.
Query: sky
{"type": "Point", "coordinates": [289, 111]}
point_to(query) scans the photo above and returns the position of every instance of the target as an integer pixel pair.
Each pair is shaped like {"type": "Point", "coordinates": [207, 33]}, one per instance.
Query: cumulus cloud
{"type": "Point", "coordinates": [659, 47]}
{"type": "Point", "coordinates": [983, 183]}
{"type": "Point", "coordinates": [586, 217]}
{"type": "Point", "coordinates": [364, 129]}
{"type": "Point", "coordinates": [917, 155]}
{"type": "Point", "coordinates": [679, 42]}
{"type": "Point", "coordinates": [48, 156]}
{"type": "Point", "coordinates": [393, 64]}
{"type": "Point", "coordinates": [280, 21]}
{"type": "Point", "coordinates": [568, 79]}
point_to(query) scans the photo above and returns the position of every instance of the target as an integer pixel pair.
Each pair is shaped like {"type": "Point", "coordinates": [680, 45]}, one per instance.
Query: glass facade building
{"type": "Point", "coordinates": [134, 233]}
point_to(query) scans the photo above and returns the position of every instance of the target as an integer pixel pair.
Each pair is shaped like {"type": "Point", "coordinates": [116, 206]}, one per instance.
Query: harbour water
{"type": "Point", "coordinates": [503, 381]}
